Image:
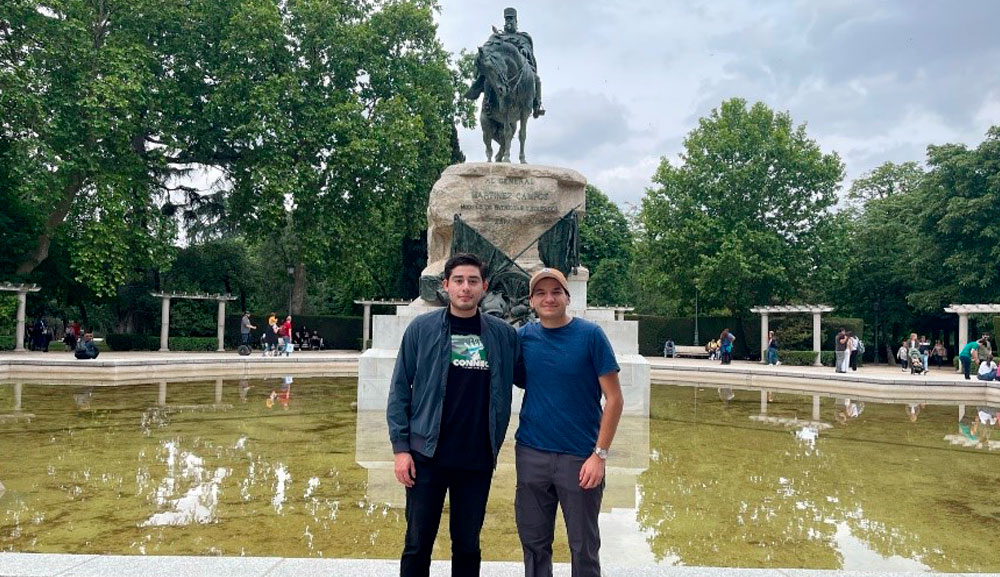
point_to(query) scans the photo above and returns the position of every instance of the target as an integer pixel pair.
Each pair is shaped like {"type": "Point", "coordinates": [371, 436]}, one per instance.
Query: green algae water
{"type": "Point", "coordinates": [287, 468]}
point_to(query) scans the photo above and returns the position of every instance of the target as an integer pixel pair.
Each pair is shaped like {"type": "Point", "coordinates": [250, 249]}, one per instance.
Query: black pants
{"type": "Point", "coordinates": [853, 361]}
{"type": "Point", "coordinates": [468, 491]}
{"type": "Point", "coordinates": [966, 365]}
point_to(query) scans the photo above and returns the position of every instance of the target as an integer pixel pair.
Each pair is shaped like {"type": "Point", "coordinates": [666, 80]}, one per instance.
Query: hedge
{"type": "Point", "coordinates": [6, 343]}
{"type": "Point", "coordinates": [129, 342]}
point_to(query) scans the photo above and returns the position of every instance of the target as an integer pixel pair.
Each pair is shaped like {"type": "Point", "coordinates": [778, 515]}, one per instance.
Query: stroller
{"type": "Point", "coordinates": [916, 363]}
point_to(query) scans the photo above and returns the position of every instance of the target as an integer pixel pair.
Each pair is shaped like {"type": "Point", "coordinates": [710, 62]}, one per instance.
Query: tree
{"type": "Point", "coordinates": [75, 88]}
{"type": "Point", "coordinates": [606, 249]}
{"type": "Point", "coordinates": [740, 218]}
{"type": "Point", "coordinates": [956, 226]}
{"type": "Point", "coordinates": [887, 180]}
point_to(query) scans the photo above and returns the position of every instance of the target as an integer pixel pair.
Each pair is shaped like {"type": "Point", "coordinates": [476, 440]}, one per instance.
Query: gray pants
{"type": "Point", "coordinates": [544, 480]}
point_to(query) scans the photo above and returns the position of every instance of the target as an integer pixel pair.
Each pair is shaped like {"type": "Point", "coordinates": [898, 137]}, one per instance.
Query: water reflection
{"type": "Point", "coordinates": [758, 481]}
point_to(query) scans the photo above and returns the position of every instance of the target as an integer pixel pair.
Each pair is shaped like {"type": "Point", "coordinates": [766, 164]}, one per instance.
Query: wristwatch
{"type": "Point", "coordinates": [601, 453]}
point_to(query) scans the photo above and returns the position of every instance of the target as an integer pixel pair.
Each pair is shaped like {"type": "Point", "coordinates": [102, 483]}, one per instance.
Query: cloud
{"type": "Point", "coordinates": [625, 82]}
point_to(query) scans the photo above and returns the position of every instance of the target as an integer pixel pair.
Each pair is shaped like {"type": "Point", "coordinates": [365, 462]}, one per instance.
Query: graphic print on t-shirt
{"type": "Point", "coordinates": [469, 352]}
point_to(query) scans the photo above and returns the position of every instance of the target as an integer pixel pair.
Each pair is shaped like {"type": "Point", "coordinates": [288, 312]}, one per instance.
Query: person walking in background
{"type": "Point", "coordinates": [852, 350]}
{"type": "Point", "coordinates": [245, 328]}
{"type": "Point", "coordinates": [726, 340]}
{"type": "Point", "coordinates": [840, 349]}
{"type": "Point", "coordinates": [564, 434]}
{"type": "Point", "coordinates": [448, 412]}
{"type": "Point", "coordinates": [924, 346]}
{"type": "Point", "coordinates": [969, 353]}
{"type": "Point", "coordinates": [903, 355]}
{"type": "Point", "coordinates": [939, 353]}
{"type": "Point", "coordinates": [772, 349]}
{"type": "Point", "coordinates": [286, 334]}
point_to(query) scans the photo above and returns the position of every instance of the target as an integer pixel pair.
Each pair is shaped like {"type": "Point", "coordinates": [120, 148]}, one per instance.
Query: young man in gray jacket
{"type": "Point", "coordinates": [448, 411]}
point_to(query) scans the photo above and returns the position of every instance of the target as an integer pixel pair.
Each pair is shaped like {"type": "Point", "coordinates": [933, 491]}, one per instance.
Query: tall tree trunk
{"type": "Point", "coordinates": [55, 219]}
{"type": "Point", "coordinates": [299, 289]}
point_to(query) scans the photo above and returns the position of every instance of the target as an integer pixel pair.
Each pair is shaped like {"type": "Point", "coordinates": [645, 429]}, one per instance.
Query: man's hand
{"type": "Point", "coordinates": [406, 471]}
{"type": "Point", "coordinates": [591, 474]}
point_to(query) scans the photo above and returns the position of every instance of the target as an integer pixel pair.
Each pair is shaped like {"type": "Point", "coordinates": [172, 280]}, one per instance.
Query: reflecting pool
{"type": "Point", "coordinates": [286, 467]}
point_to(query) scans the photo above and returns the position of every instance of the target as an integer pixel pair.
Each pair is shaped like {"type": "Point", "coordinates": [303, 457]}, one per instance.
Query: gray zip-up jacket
{"type": "Point", "coordinates": [416, 392]}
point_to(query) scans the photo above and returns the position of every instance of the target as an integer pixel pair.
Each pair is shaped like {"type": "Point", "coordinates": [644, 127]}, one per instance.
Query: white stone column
{"type": "Point", "coordinates": [165, 325]}
{"type": "Point", "coordinates": [22, 304]}
{"type": "Point", "coordinates": [817, 339]}
{"type": "Point", "coordinates": [161, 396]}
{"type": "Point", "coordinates": [963, 330]}
{"type": "Point", "coordinates": [221, 327]}
{"type": "Point", "coordinates": [18, 389]}
{"type": "Point", "coordinates": [763, 338]}
{"type": "Point", "coordinates": [763, 402]}
{"type": "Point", "coordinates": [218, 391]}
{"type": "Point", "coordinates": [366, 327]}
{"type": "Point", "coordinates": [815, 407]}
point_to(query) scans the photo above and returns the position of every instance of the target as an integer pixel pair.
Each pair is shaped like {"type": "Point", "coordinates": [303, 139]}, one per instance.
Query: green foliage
{"type": "Point", "coordinates": [741, 218]}
{"type": "Point", "coordinates": [887, 180]}
{"type": "Point", "coordinates": [127, 342]}
{"type": "Point", "coordinates": [806, 358]}
{"type": "Point", "coordinates": [6, 343]}
{"type": "Point", "coordinates": [606, 249]}
{"type": "Point", "coordinates": [8, 313]}
{"type": "Point", "coordinates": [77, 82]}
{"type": "Point", "coordinates": [193, 343]}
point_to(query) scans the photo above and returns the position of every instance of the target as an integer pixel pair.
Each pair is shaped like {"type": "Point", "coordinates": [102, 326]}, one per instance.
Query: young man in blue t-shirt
{"type": "Point", "coordinates": [564, 435]}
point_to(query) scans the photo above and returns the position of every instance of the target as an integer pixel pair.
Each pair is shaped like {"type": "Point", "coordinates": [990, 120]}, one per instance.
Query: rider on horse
{"type": "Point", "coordinates": [524, 45]}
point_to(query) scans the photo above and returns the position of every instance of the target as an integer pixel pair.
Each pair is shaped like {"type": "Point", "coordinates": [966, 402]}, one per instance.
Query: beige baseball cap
{"type": "Point", "coordinates": [548, 273]}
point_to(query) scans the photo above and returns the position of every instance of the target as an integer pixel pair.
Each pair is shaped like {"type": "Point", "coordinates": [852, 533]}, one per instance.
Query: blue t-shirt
{"type": "Point", "coordinates": [561, 412]}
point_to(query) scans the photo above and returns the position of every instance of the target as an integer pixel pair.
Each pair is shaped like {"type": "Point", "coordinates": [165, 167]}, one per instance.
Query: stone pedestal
{"type": "Point", "coordinates": [511, 205]}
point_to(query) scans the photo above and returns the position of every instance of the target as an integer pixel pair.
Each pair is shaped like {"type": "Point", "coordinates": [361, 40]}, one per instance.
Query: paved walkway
{"type": "Point", "coordinates": [39, 565]}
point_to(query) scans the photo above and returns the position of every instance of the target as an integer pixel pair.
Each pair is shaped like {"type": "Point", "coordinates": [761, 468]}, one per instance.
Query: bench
{"type": "Point", "coordinates": [690, 351]}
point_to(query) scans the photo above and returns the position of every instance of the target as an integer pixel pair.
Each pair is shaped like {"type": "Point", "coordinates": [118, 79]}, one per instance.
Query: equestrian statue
{"type": "Point", "coordinates": [507, 77]}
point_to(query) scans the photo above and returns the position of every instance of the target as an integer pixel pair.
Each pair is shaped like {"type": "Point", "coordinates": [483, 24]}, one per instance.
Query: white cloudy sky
{"type": "Point", "coordinates": [624, 82]}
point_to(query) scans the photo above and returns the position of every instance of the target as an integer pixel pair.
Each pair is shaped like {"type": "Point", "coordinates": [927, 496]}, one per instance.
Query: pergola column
{"type": "Point", "coordinates": [161, 394]}
{"type": "Point", "coordinates": [366, 327]}
{"type": "Point", "coordinates": [817, 339]}
{"type": "Point", "coordinates": [815, 407]}
{"type": "Point", "coordinates": [763, 337]}
{"type": "Point", "coordinates": [165, 325]}
{"type": "Point", "coordinates": [22, 305]}
{"type": "Point", "coordinates": [218, 391]}
{"type": "Point", "coordinates": [18, 388]}
{"type": "Point", "coordinates": [221, 327]}
{"type": "Point", "coordinates": [963, 330]}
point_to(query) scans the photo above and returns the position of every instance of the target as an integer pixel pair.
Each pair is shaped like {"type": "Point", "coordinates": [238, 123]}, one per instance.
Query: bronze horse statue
{"type": "Point", "coordinates": [508, 97]}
